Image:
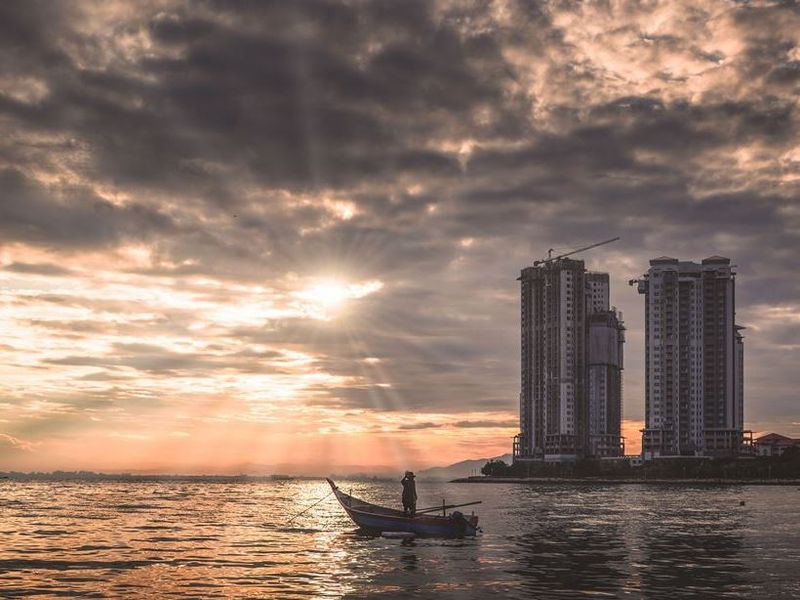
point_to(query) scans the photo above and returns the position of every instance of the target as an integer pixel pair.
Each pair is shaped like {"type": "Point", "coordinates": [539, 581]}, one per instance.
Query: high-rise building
{"type": "Point", "coordinates": [694, 399]}
{"type": "Point", "coordinates": [571, 350]}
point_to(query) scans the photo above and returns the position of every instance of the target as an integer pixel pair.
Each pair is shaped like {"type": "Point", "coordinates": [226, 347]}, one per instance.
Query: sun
{"type": "Point", "coordinates": [324, 297]}
{"type": "Point", "coordinates": [327, 293]}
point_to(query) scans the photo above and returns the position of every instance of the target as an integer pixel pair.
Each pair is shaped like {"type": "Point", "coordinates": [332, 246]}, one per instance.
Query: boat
{"type": "Point", "coordinates": [379, 519]}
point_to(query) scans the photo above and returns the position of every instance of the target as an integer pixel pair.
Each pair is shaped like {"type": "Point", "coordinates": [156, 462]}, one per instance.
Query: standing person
{"type": "Point", "coordinates": [409, 494]}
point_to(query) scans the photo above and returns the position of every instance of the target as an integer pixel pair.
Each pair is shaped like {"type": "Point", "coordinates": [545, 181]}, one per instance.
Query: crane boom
{"type": "Point", "coordinates": [536, 263]}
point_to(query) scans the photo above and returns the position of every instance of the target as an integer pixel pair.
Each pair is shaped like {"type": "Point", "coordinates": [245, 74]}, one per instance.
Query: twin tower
{"type": "Point", "coordinates": [572, 361]}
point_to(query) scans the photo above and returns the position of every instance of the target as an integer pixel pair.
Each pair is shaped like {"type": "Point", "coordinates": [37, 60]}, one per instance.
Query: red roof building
{"type": "Point", "coordinates": [774, 444]}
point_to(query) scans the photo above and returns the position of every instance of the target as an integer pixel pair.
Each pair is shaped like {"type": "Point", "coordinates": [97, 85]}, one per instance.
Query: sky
{"type": "Point", "coordinates": [259, 236]}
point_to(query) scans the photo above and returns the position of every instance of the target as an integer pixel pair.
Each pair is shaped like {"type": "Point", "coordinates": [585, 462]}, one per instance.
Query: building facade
{"type": "Point", "coordinates": [694, 353]}
{"type": "Point", "coordinates": [571, 351]}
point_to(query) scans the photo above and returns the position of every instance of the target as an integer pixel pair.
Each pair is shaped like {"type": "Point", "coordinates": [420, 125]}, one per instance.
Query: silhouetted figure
{"type": "Point", "coordinates": [409, 494]}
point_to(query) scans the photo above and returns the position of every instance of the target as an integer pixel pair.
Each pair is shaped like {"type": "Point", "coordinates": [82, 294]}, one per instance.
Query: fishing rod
{"type": "Point", "coordinates": [444, 507]}
{"type": "Point", "coordinates": [305, 510]}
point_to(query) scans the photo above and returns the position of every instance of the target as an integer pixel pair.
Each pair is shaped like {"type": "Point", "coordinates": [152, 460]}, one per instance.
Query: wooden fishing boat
{"type": "Point", "coordinates": [378, 519]}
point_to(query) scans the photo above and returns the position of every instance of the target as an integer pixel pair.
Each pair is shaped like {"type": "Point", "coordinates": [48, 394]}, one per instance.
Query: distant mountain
{"type": "Point", "coordinates": [465, 468]}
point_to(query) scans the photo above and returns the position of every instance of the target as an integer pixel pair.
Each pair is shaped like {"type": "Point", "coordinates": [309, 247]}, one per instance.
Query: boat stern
{"type": "Point", "coordinates": [465, 525]}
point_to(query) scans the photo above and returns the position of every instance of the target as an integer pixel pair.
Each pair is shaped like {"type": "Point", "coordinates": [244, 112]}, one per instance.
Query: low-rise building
{"type": "Point", "coordinates": [774, 444]}
{"type": "Point", "coordinates": [635, 460]}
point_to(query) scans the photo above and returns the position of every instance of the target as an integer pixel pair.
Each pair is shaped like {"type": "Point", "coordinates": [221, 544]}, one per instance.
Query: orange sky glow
{"type": "Point", "coordinates": [205, 401]}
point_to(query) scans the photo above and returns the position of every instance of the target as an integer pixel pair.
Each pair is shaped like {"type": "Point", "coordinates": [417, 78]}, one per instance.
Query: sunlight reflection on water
{"type": "Point", "coordinates": [206, 539]}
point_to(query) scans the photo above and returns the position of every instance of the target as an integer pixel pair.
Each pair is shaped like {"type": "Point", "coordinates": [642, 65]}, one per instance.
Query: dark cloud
{"type": "Point", "coordinates": [291, 107]}
{"type": "Point", "coordinates": [158, 361]}
{"type": "Point", "coordinates": [71, 217]}
{"type": "Point", "coordinates": [483, 424]}
{"type": "Point", "coordinates": [414, 426]}
{"type": "Point", "coordinates": [38, 269]}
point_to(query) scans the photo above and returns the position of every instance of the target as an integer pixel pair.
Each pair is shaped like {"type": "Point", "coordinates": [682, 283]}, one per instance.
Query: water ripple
{"type": "Point", "coordinates": [196, 539]}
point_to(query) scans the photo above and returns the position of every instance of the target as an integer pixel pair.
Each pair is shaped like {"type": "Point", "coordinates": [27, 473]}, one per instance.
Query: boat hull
{"type": "Point", "coordinates": [442, 527]}
{"type": "Point", "coordinates": [377, 519]}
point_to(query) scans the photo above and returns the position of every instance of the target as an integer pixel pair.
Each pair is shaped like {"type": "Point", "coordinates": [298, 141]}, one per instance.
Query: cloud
{"type": "Point", "coordinates": [37, 269]}
{"type": "Point", "coordinates": [174, 177]}
{"type": "Point", "coordinates": [12, 444]}
{"type": "Point", "coordinates": [509, 423]}
{"type": "Point", "coordinates": [415, 426]}
{"type": "Point", "coordinates": [70, 217]}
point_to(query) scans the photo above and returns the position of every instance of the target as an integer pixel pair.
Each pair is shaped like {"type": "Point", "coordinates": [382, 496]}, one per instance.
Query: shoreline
{"type": "Point", "coordinates": [626, 481]}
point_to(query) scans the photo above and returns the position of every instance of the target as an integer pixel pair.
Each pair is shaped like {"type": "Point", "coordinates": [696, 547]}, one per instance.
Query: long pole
{"type": "Point", "coordinates": [309, 508]}
{"type": "Point", "coordinates": [446, 506]}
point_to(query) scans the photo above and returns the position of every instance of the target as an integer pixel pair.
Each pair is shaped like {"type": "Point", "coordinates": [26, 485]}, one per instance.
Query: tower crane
{"type": "Point", "coordinates": [551, 258]}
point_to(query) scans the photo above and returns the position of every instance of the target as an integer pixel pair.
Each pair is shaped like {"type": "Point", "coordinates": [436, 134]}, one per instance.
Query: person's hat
{"type": "Point", "coordinates": [409, 474]}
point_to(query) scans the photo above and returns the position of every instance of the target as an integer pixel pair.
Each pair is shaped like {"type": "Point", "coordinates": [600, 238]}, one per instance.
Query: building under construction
{"type": "Point", "coordinates": [572, 351]}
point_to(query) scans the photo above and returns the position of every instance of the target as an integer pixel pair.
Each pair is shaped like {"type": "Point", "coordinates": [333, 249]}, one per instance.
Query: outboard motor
{"type": "Point", "coordinates": [462, 523]}
{"type": "Point", "coordinates": [458, 519]}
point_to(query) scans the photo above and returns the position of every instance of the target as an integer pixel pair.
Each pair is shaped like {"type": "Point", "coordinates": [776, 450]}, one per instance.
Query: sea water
{"type": "Point", "coordinates": [205, 539]}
